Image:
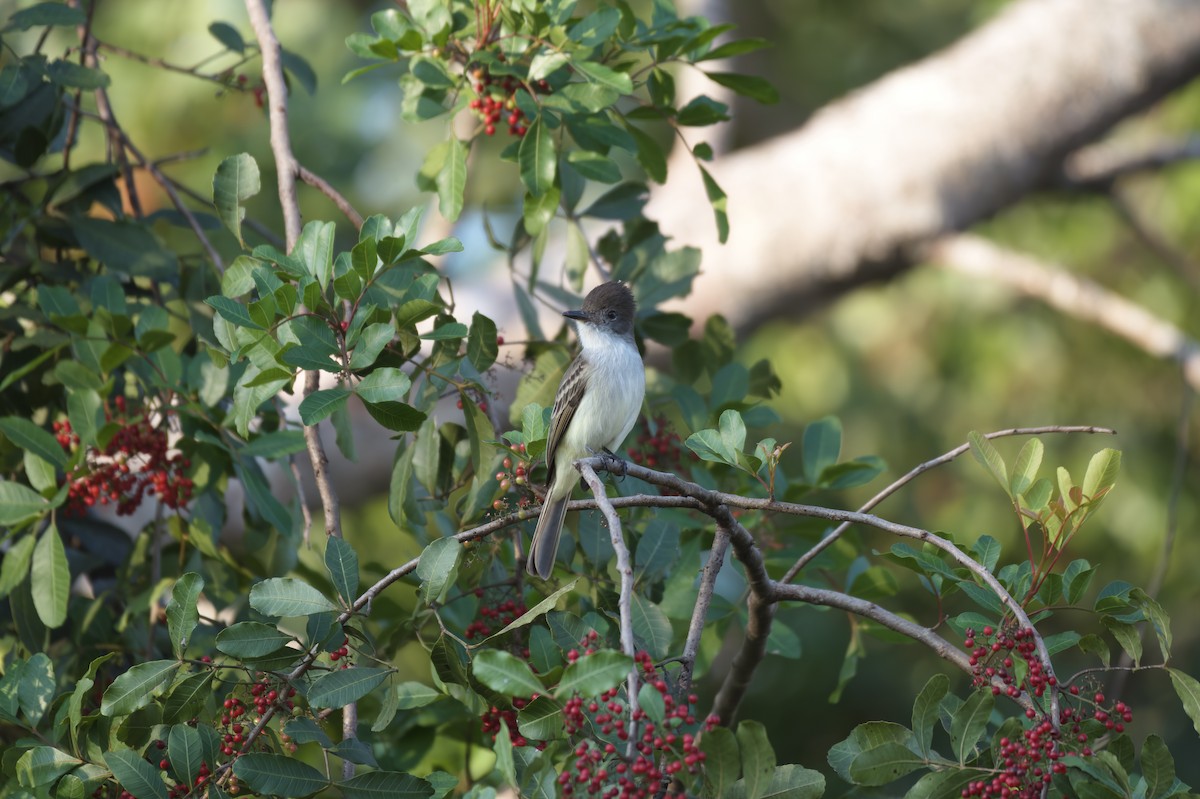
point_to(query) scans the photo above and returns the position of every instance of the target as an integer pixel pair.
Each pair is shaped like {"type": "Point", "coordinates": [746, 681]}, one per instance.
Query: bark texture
{"type": "Point", "coordinates": [928, 149]}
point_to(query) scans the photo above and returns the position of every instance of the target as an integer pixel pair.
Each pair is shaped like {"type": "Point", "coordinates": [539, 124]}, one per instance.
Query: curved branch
{"type": "Point", "coordinates": [926, 150]}
{"type": "Point", "coordinates": [1075, 296]}
{"type": "Point", "coordinates": [920, 469]}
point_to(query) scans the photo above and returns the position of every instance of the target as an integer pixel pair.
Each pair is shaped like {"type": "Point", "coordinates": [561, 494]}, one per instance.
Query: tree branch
{"type": "Point", "coordinates": [920, 469]}
{"type": "Point", "coordinates": [704, 595]}
{"type": "Point", "coordinates": [625, 600]}
{"type": "Point", "coordinates": [1075, 296]}
{"type": "Point", "coordinates": [926, 150]}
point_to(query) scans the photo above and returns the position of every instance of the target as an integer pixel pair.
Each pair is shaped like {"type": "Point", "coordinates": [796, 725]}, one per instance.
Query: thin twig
{"type": "Point", "coordinates": [625, 600]}
{"type": "Point", "coordinates": [704, 595]}
{"type": "Point", "coordinates": [323, 186]}
{"type": "Point", "coordinates": [1154, 239]}
{"type": "Point", "coordinates": [281, 144]}
{"type": "Point", "coordinates": [944, 458]}
{"type": "Point", "coordinates": [1075, 296]}
{"type": "Point", "coordinates": [330, 503]}
{"type": "Point", "coordinates": [1098, 166]}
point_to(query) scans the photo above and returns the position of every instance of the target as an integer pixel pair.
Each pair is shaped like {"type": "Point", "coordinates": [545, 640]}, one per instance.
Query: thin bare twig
{"type": "Point", "coordinates": [625, 599]}
{"type": "Point", "coordinates": [1076, 296]}
{"type": "Point", "coordinates": [319, 183]}
{"type": "Point", "coordinates": [920, 469]}
{"type": "Point", "coordinates": [704, 595]}
{"type": "Point", "coordinates": [1099, 166]}
{"type": "Point", "coordinates": [281, 143]}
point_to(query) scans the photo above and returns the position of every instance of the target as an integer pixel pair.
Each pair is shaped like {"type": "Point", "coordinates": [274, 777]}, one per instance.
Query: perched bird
{"type": "Point", "coordinates": [596, 406]}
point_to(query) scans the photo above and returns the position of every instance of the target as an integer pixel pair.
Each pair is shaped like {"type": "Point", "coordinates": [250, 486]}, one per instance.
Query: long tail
{"type": "Point", "coordinates": [544, 547]}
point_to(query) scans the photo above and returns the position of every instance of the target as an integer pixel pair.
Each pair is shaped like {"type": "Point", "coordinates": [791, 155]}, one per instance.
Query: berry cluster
{"type": "Point", "coordinates": [657, 446]}
{"type": "Point", "coordinates": [135, 464]}
{"type": "Point", "coordinates": [515, 479]}
{"type": "Point", "coordinates": [496, 99]}
{"type": "Point", "coordinates": [342, 653]}
{"type": "Point", "coordinates": [495, 617]}
{"type": "Point", "coordinates": [1025, 765]}
{"type": "Point", "coordinates": [660, 750]}
{"type": "Point", "coordinates": [992, 656]}
{"type": "Point", "coordinates": [494, 716]}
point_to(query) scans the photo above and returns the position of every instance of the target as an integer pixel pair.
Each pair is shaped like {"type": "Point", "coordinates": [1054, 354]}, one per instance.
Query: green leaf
{"type": "Point", "coordinates": [228, 35]}
{"type": "Point", "coordinates": [822, 446]}
{"type": "Point", "coordinates": [1101, 473]}
{"type": "Point", "coordinates": [710, 446]}
{"type": "Point", "coordinates": [538, 210]}
{"type": "Point", "coordinates": [1158, 768]}
{"type": "Point", "coordinates": [372, 341]}
{"type": "Point", "coordinates": [236, 180]}
{"type": "Point", "coordinates": [36, 688]}
{"type": "Point", "coordinates": [314, 249]}
{"type": "Point", "coordinates": [651, 626]}
{"type": "Point", "coordinates": [450, 331]}
{"type": "Point", "coordinates": [385, 785]}
{"type": "Point", "coordinates": [77, 76]}
{"type": "Point", "coordinates": [722, 763]}
{"type": "Point", "coordinates": [135, 774]}
{"type": "Point", "coordinates": [44, 765]}
{"type": "Point", "coordinates": [278, 775]}
{"type": "Point", "coordinates": [182, 613]}
{"type": "Point", "coordinates": [540, 609]}
{"type": "Point", "coordinates": [233, 312]}
{"type": "Point", "coordinates": [719, 202]}
{"type": "Point", "coordinates": [881, 764]}
{"type": "Point", "coordinates": [969, 723]}
{"type": "Point", "coordinates": [135, 688]}
{"type": "Point", "coordinates": [594, 674]}
{"type": "Point", "coordinates": [736, 48]}
{"type": "Point", "coordinates": [251, 639]}
{"type": "Point", "coordinates": [1127, 635]}
{"type": "Point", "coordinates": [925, 711]}
{"type": "Point", "coordinates": [47, 14]}
{"type": "Point", "coordinates": [396, 416]}
{"type": "Point", "coordinates": [184, 700]}
{"type": "Point", "coordinates": [15, 564]}
{"type": "Point", "coordinates": [702, 111]}
{"type": "Point", "coordinates": [27, 435]}
{"type": "Point", "coordinates": [272, 446]}
{"type": "Point", "coordinates": [1158, 619]}
{"type": "Point", "coordinates": [506, 673]}
{"type": "Point", "coordinates": [341, 687]}
{"type": "Point", "coordinates": [987, 455]}
{"type": "Point", "coordinates": [185, 751]}
{"type": "Point", "coordinates": [18, 503]}
{"type": "Point", "coordinates": [342, 562]}
{"type": "Point", "coordinates": [1025, 468]}
{"type": "Point", "coordinates": [286, 596]}
{"type": "Point", "coordinates": [596, 72]}
{"type": "Point", "coordinates": [482, 342]}
{"type": "Point", "coordinates": [541, 719]}
{"type": "Point", "coordinates": [387, 384]}
{"type": "Point", "coordinates": [438, 568]}
{"type": "Point", "coordinates": [411, 695]}
{"type": "Point", "coordinates": [751, 86]}
{"type": "Point", "coordinates": [758, 758]}
{"type": "Point", "coordinates": [318, 405]}
{"type": "Point", "coordinates": [452, 180]}
{"type": "Point", "coordinates": [537, 158]}
{"type": "Point", "coordinates": [50, 578]}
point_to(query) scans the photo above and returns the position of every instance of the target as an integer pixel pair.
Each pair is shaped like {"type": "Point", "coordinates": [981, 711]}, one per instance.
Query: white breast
{"type": "Point", "coordinates": [613, 399]}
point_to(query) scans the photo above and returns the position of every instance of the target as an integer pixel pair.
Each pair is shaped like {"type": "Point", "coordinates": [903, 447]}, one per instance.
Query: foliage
{"type": "Point", "coordinates": [149, 381]}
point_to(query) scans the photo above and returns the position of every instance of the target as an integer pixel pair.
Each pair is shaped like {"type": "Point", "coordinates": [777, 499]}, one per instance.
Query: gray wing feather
{"type": "Point", "coordinates": [570, 393]}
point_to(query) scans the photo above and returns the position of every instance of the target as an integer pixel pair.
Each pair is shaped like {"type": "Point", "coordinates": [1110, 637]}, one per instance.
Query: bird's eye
{"type": "Point", "coordinates": [612, 315]}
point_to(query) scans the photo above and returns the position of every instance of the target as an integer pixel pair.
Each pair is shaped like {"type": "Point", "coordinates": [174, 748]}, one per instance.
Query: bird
{"type": "Point", "coordinates": [597, 404]}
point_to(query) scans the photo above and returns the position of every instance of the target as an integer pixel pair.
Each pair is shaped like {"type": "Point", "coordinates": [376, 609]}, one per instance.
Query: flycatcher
{"type": "Point", "coordinates": [596, 406]}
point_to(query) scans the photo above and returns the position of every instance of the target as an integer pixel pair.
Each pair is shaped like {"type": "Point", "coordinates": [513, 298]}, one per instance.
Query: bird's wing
{"type": "Point", "coordinates": [570, 393]}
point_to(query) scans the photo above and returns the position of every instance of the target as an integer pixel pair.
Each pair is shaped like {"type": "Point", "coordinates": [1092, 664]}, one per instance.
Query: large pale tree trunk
{"type": "Point", "coordinates": [928, 149]}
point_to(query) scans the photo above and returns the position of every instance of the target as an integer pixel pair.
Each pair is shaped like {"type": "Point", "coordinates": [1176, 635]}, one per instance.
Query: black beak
{"type": "Point", "coordinates": [577, 315]}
